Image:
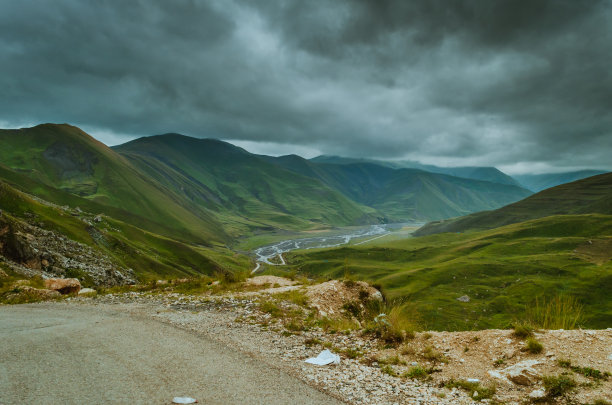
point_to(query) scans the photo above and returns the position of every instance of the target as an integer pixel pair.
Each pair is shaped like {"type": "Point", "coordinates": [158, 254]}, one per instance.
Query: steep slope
{"type": "Point", "coordinates": [586, 196]}
{"type": "Point", "coordinates": [539, 182]}
{"type": "Point", "coordinates": [503, 270]}
{"type": "Point", "coordinates": [38, 237]}
{"type": "Point", "coordinates": [244, 190]}
{"type": "Point", "coordinates": [67, 159]}
{"type": "Point", "coordinates": [483, 173]}
{"type": "Point", "coordinates": [405, 194]}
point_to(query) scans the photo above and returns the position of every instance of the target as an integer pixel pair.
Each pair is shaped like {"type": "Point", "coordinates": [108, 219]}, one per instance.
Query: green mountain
{"type": "Point", "coordinates": [405, 194]}
{"type": "Point", "coordinates": [502, 271]}
{"type": "Point", "coordinates": [586, 196]}
{"type": "Point", "coordinates": [539, 182]}
{"type": "Point", "coordinates": [244, 191]}
{"type": "Point", "coordinates": [483, 173]}
{"type": "Point", "coordinates": [62, 162]}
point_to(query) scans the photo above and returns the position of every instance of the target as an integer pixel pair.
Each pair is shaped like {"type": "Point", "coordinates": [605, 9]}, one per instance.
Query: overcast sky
{"type": "Point", "coordinates": [522, 85]}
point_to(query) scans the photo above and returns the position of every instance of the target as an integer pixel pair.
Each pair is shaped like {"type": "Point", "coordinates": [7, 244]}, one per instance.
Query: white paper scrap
{"type": "Point", "coordinates": [324, 358]}
{"type": "Point", "coordinates": [183, 400]}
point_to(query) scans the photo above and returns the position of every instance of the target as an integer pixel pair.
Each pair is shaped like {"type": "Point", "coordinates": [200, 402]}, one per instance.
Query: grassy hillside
{"type": "Point", "coordinates": [244, 190]}
{"type": "Point", "coordinates": [502, 270]}
{"type": "Point", "coordinates": [539, 182]}
{"type": "Point", "coordinates": [590, 195]}
{"type": "Point", "coordinates": [64, 158]}
{"type": "Point", "coordinates": [483, 173]}
{"type": "Point", "coordinates": [151, 256]}
{"type": "Point", "coordinates": [406, 194]}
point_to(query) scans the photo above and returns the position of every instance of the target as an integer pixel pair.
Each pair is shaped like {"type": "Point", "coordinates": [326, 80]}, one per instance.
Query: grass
{"type": "Point", "coordinates": [417, 373]}
{"type": "Point", "coordinates": [387, 369]}
{"type": "Point", "coordinates": [533, 346]}
{"type": "Point", "coordinates": [501, 270]}
{"type": "Point", "coordinates": [476, 391]}
{"type": "Point", "coordinates": [433, 355]}
{"type": "Point", "coordinates": [560, 312]}
{"type": "Point", "coordinates": [585, 371]}
{"type": "Point", "coordinates": [522, 330]}
{"type": "Point", "coordinates": [559, 385]}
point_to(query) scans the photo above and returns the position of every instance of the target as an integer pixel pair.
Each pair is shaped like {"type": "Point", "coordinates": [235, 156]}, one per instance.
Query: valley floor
{"type": "Point", "coordinates": [242, 343]}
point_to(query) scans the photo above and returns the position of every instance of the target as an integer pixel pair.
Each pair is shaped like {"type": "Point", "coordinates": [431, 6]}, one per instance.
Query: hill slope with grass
{"type": "Point", "coordinates": [590, 195]}
{"type": "Point", "coordinates": [242, 189]}
{"type": "Point", "coordinates": [33, 222]}
{"type": "Point", "coordinates": [502, 271]}
{"type": "Point", "coordinates": [61, 162]}
{"type": "Point", "coordinates": [539, 182]}
{"type": "Point", "coordinates": [405, 194]}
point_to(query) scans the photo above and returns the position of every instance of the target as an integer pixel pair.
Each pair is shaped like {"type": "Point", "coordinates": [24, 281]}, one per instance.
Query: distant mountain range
{"type": "Point", "coordinates": [484, 173]}
{"type": "Point", "coordinates": [539, 182]}
{"type": "Point", "coordinates": [209, 191]}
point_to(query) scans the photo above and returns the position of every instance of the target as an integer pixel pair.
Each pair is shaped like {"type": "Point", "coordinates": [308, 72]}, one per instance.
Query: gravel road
{"type": "Point", "coordinates": [55, 353]}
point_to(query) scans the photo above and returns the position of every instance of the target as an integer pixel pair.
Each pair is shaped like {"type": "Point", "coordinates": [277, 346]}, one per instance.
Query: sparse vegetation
{"type": "Point", "coordinates": [523, 330]}
{"type": "Point", "coordinates": [476, 390]}
{"type": "Point", "coordinates": [433, 355]}
{"type": "Point", "coordinates": [417, 372]}
{"type": "Point", "coordinates": [533, 346]}
{"type": "Point", "coordinates": [585, 371]}
{"type": "Point", "coordinates": [559, 385]}
{"type": "Point", "coordinates": [387, 369]}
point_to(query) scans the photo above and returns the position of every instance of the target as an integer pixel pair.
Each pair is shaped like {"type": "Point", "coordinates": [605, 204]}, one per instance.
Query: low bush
{"type": "Point", "coordinates": [533, 346]}
{"type": "Point", "coordinates": [559, 385]}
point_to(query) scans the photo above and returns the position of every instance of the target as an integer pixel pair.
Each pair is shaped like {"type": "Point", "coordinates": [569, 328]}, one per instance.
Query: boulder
{"type": "Point", "coordinates": [63, 285]}
{"type": "Point", "coordinates": [464, 298]}
{"type": "Point", "coordinates": [87, 291]}
{"type": "Point", "coordinates": [521, 373]}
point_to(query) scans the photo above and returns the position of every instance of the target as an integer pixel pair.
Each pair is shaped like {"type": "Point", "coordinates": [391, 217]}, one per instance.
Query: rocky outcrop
{"type": "Point", "coordinates": [329, 298]}
{"type": "Point", "coordinates": [31, 250]}
{"type": "Point", "coordinates": [63, 285]}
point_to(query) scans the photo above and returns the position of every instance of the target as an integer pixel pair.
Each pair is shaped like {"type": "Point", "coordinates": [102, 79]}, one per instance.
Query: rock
{"type": "Point", "coordinates": [464, 298]}
{"type": "Point", "coordinates": [86, 291]}
{"type": "Point", "coordinates": [98, 218]}
{"type": "Point", "coordinates": [537, 394]}
{"type": "Point", "coordinates": [63, 285]}
{"type": "Point", "coordinates": [521, 373]}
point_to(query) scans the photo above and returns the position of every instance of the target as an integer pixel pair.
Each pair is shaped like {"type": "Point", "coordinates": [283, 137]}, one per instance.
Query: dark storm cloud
{"type": "Point", "coordinates": [517, 84]}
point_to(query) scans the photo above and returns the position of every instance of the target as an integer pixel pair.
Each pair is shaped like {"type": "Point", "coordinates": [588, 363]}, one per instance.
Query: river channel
{"type": "Point", "coordinates": [264, 254]}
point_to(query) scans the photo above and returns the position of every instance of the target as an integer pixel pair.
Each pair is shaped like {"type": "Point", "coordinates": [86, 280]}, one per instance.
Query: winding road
{"type": "Point", "coordinates": [81, 354]}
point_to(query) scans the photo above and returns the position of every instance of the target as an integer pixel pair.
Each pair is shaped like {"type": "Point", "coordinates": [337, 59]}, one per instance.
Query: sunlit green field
{"type": "Point", "coordinates": [502, 270]}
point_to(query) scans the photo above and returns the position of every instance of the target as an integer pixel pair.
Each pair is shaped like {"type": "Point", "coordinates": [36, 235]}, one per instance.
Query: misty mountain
{"type": "Point", "coordinates": [539, 182]}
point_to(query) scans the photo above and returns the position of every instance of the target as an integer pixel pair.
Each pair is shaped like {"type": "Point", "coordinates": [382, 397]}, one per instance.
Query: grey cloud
{"type": "Point", "coordinates": [469, 82]}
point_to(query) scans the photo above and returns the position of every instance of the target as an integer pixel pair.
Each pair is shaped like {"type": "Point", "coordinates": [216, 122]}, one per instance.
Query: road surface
{"type": "Point", "coordinates": [56, 353]}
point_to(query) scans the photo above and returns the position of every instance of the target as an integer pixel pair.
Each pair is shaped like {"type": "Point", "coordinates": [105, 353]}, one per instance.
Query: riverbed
{"type": "Point", "coordinates": [364, 234]}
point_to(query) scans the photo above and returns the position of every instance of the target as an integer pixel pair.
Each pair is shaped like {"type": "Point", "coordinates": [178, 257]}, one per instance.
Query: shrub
{"type": "Point", "coordinates": [417, 372]}
{"type": "Point", "coordinates": [560, 312]}
{"type": "Point", "coordinates": [522, 330]}
{"type": "Point", "coordinates": [557, 386]}
{"type": "Point", "coordinates": [387, 369]}
{"type": "Point", "coordinates": [433, 355]}
{"type": "Point", "coordinates": [391, 321]}
{"type": "Point", "coordinates": [533, 346]}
